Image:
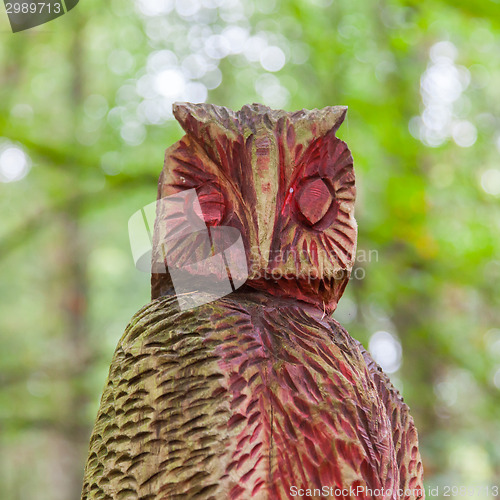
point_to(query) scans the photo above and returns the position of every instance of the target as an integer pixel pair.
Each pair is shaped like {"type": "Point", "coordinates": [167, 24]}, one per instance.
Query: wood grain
{"type": "Point", "coordinates": [234, 401]}
{"type": "Point", "coordinates": [260, 170]}
{"type": "Point", "coordinates": [259, 392]}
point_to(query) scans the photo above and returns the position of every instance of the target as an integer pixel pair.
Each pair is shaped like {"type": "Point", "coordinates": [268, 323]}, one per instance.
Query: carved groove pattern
{"type": "Point", "coordinates": [235, 401]}
{"type": "Point", "coordinates": [251, 170]}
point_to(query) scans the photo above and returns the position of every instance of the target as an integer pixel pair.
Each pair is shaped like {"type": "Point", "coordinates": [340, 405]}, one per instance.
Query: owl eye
{"type": "Point", "coordinates": [212, 203]}
{"type": "Point", "coordinates": [314, 199]}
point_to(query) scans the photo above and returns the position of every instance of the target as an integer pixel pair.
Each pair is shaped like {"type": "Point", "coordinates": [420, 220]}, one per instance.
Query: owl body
{"type": "Point", "coordinates": [249, 396]}
{"type": "Point", "coordinates": [258, 394]}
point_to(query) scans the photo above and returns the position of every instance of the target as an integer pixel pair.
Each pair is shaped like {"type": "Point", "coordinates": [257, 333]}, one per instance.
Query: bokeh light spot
{"type": "Point", "coordinates": [386, 351]}
{"type": "Point", "coordinates": [464, 133]}
{"type": "Point", "coordinates": [272, 59]}
{"type": "Point", "coordinates": [490, 181]}
{"type": "Point", "coordinates": [14, 163]}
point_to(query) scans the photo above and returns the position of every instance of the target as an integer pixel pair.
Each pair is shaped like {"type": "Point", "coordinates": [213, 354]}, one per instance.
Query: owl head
{"type": "Point", "coordinates": [283, 180]}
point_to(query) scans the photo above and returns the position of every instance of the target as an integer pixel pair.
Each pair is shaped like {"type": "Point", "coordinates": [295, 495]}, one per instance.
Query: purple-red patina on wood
{"type": "Point", "coordinates": [284, 180]}
{"type": "Point", "coordinates": [258, 394]}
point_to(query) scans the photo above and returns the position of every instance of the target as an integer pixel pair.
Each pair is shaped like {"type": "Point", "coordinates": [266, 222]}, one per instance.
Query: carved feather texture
{"type": "Point", "coordinates": [284, 180]}
{"type": "Point", "coordinates": [233, 401]}
{"type": "Point", "coordinates": [256, 393]}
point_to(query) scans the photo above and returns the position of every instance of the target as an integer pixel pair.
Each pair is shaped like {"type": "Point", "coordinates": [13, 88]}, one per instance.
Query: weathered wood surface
{"type": "Point", "coordinates": [235, 401]}
{"type": "Point", "coordinates": [260, 391]}
{"type": "Point", "coordinates": [284, 180]}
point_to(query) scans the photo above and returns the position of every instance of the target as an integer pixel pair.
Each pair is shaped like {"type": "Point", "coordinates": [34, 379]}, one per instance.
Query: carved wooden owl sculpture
{"type": "Point", "coordinates": [259, 394]}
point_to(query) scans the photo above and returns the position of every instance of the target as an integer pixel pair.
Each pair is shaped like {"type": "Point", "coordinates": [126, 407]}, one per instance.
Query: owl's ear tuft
{"type": "Point", "coordinates": [181, 111]}
{"type": "Point", "coordinates": [317, 123]}
{"type": "Point", "coordinates": [330, 118]}
{"type": "Point", "coordinates": [189, 115]}
{"type": "Point", "coordinates": [195, 117]}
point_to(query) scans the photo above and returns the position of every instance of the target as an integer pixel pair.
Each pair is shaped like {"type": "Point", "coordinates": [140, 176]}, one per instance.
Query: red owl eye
{"type": "Point", "coordinates": [212, 204]}
{"type": "Point", "coordinates": [314, 199]}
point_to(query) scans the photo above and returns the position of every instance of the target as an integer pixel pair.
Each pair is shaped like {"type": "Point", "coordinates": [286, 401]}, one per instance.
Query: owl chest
{"type": "Point", "coordinates": [239, 401]}
{"type": "Point", "coordinates": [263, 400]}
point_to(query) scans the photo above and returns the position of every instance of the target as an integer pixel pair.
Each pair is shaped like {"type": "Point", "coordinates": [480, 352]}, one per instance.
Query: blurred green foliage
{"type": "Point", "coordinates": [84, 119]}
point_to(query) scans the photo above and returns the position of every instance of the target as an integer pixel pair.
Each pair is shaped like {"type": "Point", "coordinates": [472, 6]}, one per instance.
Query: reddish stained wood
{"type": "Point", "coordinates": [289, 189]}
{"type": "Point", "coordinates": [259, 391]}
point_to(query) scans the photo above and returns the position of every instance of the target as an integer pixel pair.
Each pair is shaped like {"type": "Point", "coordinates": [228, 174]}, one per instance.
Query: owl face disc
{"type": "Point", "coordinates": [283, 180]}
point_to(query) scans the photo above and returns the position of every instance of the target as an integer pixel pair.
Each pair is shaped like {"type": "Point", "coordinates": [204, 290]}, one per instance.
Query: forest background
{"type": "Point", "coordinates": [85, 117]}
